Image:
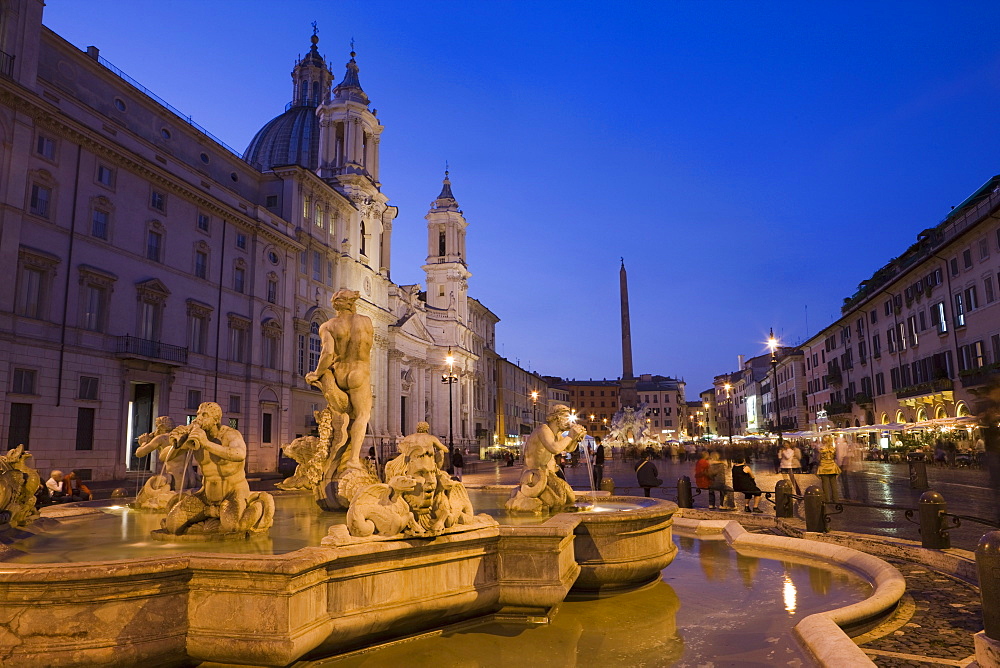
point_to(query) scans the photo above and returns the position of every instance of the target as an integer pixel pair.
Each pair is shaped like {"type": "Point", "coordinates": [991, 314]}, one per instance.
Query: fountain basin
{"type": "Point", "coordinates": [272, 609]}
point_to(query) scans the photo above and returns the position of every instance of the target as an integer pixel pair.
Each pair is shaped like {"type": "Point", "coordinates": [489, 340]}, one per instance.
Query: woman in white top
{"type": "Point", "coordinates": [790, 460]}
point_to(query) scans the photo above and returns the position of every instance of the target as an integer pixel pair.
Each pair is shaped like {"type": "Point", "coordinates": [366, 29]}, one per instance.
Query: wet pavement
{"type": "Point", "coordinates": [966, 492]}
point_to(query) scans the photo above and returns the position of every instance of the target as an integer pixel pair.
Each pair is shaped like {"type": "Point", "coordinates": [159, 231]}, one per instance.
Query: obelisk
{"type": "Point", "coordinates": [627, 395]}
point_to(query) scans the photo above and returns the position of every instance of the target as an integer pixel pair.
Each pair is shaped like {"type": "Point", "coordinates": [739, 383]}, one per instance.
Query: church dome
{"type": "Point", "coordinates": [290, 139]}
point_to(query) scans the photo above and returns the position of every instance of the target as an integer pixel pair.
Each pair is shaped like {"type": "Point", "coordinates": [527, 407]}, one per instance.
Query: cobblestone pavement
{"type": "Point", "coordinates": [933, 625]}
{"type": "Point", "coordinates": [966, 491]}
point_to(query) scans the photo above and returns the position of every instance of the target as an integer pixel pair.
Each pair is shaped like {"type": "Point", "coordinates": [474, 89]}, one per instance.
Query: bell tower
{"type": "Point", "coordinates": [446, 268]}
{"type": "Point", "coordinates": [311, 79]}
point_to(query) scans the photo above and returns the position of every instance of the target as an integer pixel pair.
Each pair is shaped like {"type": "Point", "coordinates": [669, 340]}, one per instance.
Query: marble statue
{"type": "Point", "coordinates": [310, 452]}
{"type": "Point", "coordinates": [18, 484]}
{"type": "Point", "coordinates": [343, 373]}
{"type": "Point", "coordinates": [160, 489]}
{"type": "Point", "coordinates": [420, 500]}
{"type": "Point", "coordinates": [382, 509]}
{"type": "Point", "coordinates": [540, 489]}
{"type": "Point", "coordinates": [224, 506]}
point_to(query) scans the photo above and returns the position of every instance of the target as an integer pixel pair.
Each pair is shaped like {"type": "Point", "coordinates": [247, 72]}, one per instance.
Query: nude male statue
{"type": "Point", "coordinates": [343, 372]}
{"type": "Point", "coordinates": [225, 494]}
{"type": "Point", "coordinates": [160, 440]}
{"type": "Point", "coordinates": [540, 489]}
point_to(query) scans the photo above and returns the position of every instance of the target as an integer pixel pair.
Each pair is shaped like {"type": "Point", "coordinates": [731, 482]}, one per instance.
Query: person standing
{"type": "Point", "coordinates": [745, 483]}
{"type": "Point", "coordinates": [717, 483]}
{"type": "Point", "coordinates": [828, 469]}
{"type": "Point", "coordinates": [789, 462]}
{"type": "Point", "coordinates": [702, 479]}
{"type": "Point", "coordinates": [598, 465]}
{"type": "Point", "coordinates": [458, 463]}
{"type": "Point", "coordinates": [647, 475]}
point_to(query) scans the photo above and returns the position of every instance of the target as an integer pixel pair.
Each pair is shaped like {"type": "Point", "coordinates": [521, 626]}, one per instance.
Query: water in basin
{"type": "Point", "coordinates": [712, 607]}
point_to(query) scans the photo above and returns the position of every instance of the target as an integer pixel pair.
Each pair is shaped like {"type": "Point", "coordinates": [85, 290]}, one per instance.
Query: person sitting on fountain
{"type": "Point", "coordinates": [225, 494]}
{"type": "Point", "coordinates": [540, 487]}
{"type": "Point", "coordinates": [55, 488]}
{"type": "Point", "coordinates": [74, 489]}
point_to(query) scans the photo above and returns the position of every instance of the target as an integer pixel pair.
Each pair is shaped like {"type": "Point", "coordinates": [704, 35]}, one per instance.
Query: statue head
{"type": "Point", "coordinates": [422, 469]}
{"type": "Point", "coordinates": [559, 413]}
{"type": "Point", "coordinates": [209, 414]}
{"type": "Point", "coordinates": [165, 423]}
{"type": "Point", "coordinates": [344, 300]}
{"type": "Point", "coordinates": [423, 428]}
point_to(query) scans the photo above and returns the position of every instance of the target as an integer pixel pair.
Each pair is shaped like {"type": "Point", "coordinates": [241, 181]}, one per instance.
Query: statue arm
{"type": "Point", "coordinates": [327, 354]}
{"type": "Point", "coordinates": [230, 446]}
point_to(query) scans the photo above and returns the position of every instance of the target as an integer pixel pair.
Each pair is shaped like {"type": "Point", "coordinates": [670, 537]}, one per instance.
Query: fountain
{"type": "Point", "coordinates": [348, 562]}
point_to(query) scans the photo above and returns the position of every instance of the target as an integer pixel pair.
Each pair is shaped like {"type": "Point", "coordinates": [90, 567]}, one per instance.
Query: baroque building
{"type": "Point", "coordinates": [150, 267]}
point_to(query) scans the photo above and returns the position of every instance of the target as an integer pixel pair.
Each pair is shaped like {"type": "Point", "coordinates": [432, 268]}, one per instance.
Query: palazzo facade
{"type": "Point", "coordinates": [148, 267]}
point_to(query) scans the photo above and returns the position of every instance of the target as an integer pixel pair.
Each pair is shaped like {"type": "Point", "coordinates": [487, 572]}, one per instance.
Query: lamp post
{"type": "Point", "coordinates": [534, 408]}
{"type": "Point", "coordinates": [450, 379]}
{"type": "Point", "coordinates": [708, 421]}
{"type": "Point", "coordinates": [772, 343]}
{"type": "Point", "coordinates": [729, 401]}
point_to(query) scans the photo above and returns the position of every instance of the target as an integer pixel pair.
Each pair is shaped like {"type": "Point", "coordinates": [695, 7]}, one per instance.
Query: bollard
{"type": "Point", "coordinates": [608, 485]}
{"type": "Point", "coordinates": [815, 510]}
{"type": "Point", "coordinates": [933, 535]}
{"type": "Point", "coordinates": [684, 499]}
{"type": "Point", "coordinates": [782, 499]}
{"type": "Point", "coordinates": [918, 474]}
{"type": "Point", "coordinates": [988, 567]}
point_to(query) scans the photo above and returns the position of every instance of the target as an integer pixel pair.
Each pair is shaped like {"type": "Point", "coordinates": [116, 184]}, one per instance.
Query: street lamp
{"type": "Point", "coordinates": [708, 422]}
{"type": "Point", "coordinates": [729, 400]}
{"type": "Point", "coordinates": [772, 343]}
{"type": "Point", "coordinates": [534, 407]}
{"type": "Point", "coordinates": [450, 379]}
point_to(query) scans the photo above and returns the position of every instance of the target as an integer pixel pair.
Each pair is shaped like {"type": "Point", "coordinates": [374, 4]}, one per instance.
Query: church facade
{"type": "Point", "coordinates": [149, 267]}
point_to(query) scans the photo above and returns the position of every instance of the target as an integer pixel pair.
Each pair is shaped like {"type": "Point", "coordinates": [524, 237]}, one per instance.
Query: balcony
{"type": "Point", "coordinates": [982, 376]}
{"type": "Point", "coordinates": [862, 399]}
{"type": "Point", "coordinates": [926, 393]}
{"type": "Point", "coordinates": [837, 409]}
{"type": "Point", "coordinates": [834, 377]}
{"type": "Point", "coordinates": [6, 64]}
{"type": "Point", "coordinates": [130, 347]}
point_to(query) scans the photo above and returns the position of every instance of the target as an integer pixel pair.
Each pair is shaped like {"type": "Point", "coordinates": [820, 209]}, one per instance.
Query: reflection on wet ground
{"type": "Point", "coordinates": [713, 607]}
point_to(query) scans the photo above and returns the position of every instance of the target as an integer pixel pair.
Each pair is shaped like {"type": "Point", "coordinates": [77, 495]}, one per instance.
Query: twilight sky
{"type": "Point", "coordinates": [752, 161]}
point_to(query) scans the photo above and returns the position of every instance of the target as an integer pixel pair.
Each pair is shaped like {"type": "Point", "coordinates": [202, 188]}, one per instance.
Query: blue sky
{"type": "Point", "coordinates": [752, 161]}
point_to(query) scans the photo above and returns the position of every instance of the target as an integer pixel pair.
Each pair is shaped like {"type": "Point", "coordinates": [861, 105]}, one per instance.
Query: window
{"type": "Point", "coordinates": [36, 271]}
{"type": "Point", "coordinates": [95, 306]}
{"type": "Point", "coordinates": [959, 310]}
{"type": "Point", "coordinates": [265, 428]}
{"type": "Point", "coordinates": [317, 267]}
{"type": "Point", "coordinates": [152, 296]}
{"type": "Point", "coordinates": [193, 399]}
{"type": "Point", "coordinates": [20, 425]}
{"type": "Point", "coordinates": [234, 423]}
{"type": "Point", "coordinates": [201, 264]}
{"type": "Point", "coordinates": [46, 147]}
{"type": "Point", "coordinates": [984, 249]}
{"type": "Point", "coordinates": [911, 329]}
{"type": "Point", "coordinates": [272, 291]}
{"type": "Point", "coordinates": [364, 239]}
{"type": "Point", "coordinates": [967, 258]}
{"type": "Point", "coordinates": [23, 381]}
{"type": "Point", "coordinates": [874, 317]}
{"type": "Point", "coordinates": [198, 318]}
{"type": "Point", "coordinates": [105, 176]}
{"type": "Point", "coordinates": [271, 201]}
{"type": "Point", "coordinates": [203, 222]}
{"type": "Point", "coordinates": [235, 404]}
{"type": "Point", "coordinates": [154, 245]}
{"type": "Point", "coordinates": [41, 198]}
{"type": "Point", "coordinates": [241, 240]}
{"type": "Point", "coordinates": [99, 224]}
{"type": "Point", "coordinates": [441, 244]}
{"type": "Point", "coordinates": [238, 328]}
{"type": "Point", "coordinates": [239, 279]}
{"type": "Point", "coordinates": [890, 339]}
{"type": "Point", "coordinates": [89, 387]}
{"type": "Point", "coordinates": [318, 216]}
{"type": "Point", "coordinates": [938, 317]}
{"type": "Point", "coordinates": [988, 289]}
{"type": "Point", "coordinates": [85, 428]}
{"type": "Point", "coordinates": [158, 200]}
{"type": "Point", "coordinates": [971, 299]}
{"type": "Point", "coordinates": [315, 346]}
{"type": "Point", "coordinates": [954, 266]}
{"type": "Point", "coordinates": [303, 263]}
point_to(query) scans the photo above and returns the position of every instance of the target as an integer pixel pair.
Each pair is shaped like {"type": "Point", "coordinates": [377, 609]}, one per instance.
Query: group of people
{"type": "Point", "coordinates": [62, 488]}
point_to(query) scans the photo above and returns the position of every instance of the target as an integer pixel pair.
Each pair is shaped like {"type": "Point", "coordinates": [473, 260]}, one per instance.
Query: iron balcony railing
{"type": "Point", "coordinates": [921, 389]}
{"type": "Point", "coordinates": [6, 64]}
{"type": "Point", "coordinates": [131, 345]}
